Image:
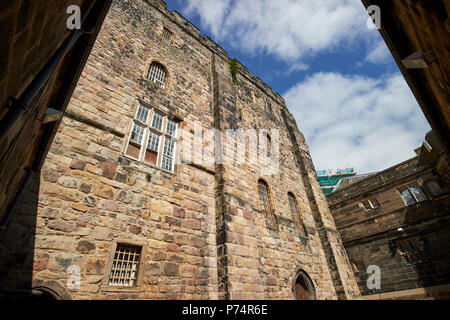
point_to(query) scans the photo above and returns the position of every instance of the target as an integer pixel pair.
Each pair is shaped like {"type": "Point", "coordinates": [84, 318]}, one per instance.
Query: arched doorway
{"type": "Point", "coordinates": [303, 287]}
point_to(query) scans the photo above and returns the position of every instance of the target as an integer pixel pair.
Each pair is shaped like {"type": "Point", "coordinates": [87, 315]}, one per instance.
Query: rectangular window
{"type": "Point", "coordinates": [153, 141]}
{"type": "Point", "coordinates": [412, 194]}
{"type": "Point", "coordinates": [125, 266]}
{"type": "Point", "coordinates": [167, 160]}
{"type": "Point", "coordinates": [366, 205]}
{"type": "Point", "coordinates": [417, 193]}
{"type": "Point", "coordinates": [157, 121]}
{"type": "Point", "coordinates": [411, 250]}
{"type": "Point", "coordinates": [374, 203]}
{"type": "Point", "coordinates": [167, 33]}
{"type": "Point", "coordinates": [171, 128]}
{"type": "Point", "coordinates": [151, 154]}
{"type": "Point", "coordinates": [142, 114]}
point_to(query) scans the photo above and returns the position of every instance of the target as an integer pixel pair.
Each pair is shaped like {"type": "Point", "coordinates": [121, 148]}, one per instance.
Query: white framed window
{"type": "Point", "coordinates": [153, 138]}
{"type": "Point", "coordinates": [157, 74]}
{"type": "Point", "coordinates": [411, 194]}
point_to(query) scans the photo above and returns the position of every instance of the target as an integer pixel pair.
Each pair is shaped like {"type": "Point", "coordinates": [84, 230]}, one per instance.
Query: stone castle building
{"type": "Point", "coordinates": [398, 220]}
{"type": "Point", "coordinates": [130, 205]}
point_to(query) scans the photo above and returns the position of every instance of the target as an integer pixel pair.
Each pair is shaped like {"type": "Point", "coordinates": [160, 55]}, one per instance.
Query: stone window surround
{"type": "Point", "coordinates": [160, 132]}
{"type": "Point", "coordinates": [370, 202]}
{"type": "Point", "coordinates": [168, 78]}
{"type": "Point", "coordinates": [407, 186]}
{"type": "Point", "coordinates": [138, 286]}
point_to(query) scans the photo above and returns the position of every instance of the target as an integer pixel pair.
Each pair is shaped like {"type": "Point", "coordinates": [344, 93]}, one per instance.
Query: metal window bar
{"type": "Point", "coordinates": [157, 74]}
{"type": "Point", "coordinates": [125, 266]}
{"type": "Point", "coordinates": [167, 33]}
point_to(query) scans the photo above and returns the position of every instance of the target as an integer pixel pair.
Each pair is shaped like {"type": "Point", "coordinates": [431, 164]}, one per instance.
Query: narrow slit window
{"type": "Point", "coordinates": [264, 197]}
{"type": "Point", "coordinates": [293, 206]}
{"type": "Point", "coordinates": [125, 266]}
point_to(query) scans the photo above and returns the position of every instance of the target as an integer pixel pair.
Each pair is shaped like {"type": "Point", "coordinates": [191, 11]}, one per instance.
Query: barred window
{"type": "Point", "coordinates": [167, 33]}
{"type": "Point", "coordinates": [412, 194]}
{"type": "Point", "coordinates": [157, 74]}
{"type": "Point", "coordinates": [125, 266]}
{"type": "Point", "coordinates": [153, 138]}
{"type": "Point", "coordinates": [264, 197]}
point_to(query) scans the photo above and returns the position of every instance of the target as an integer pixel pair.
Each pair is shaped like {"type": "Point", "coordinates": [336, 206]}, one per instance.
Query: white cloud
{"type": "Point", "coordinates": [289, 29]}
{"type": "Point", "coordinates": [370, 124]}
{"type": "Point", "coordinates": [379, 53]}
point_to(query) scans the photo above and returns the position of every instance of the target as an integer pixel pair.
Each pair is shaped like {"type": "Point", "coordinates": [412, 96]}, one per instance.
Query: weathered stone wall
{"type": "Point", "coordinates": [369, 235]}
{"type": "Point", "coordinates": [203, 228]}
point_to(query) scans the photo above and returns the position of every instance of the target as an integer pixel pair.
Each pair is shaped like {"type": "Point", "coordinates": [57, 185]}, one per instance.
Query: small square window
{"type": "Point", "coordinates": [167, 33]}
{"type": "Point", "coordinates": [125, 266]}
{"type": "Point", "coordinates": [374, 203]}
{"type": "Point", "coordinates": [366, 205]}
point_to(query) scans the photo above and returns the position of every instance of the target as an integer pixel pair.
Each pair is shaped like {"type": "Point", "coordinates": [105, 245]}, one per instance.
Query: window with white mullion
{"type": "Point", "coordinates": [157, 121]}
{"type": "Point", "coordinates": [168, 154]}
{"type": "Point", "coordinates": [142, 114]}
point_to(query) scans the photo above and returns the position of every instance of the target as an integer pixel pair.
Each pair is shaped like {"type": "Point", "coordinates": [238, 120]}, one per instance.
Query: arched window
{"type": "Point", "coordinates": [157, 74]}
{"type": "Point", "coordinates": [293, 206]}
{"type": "Point", "coordinates": [266, 204]}
{"type": "Point", "coordinates": [303, 287]}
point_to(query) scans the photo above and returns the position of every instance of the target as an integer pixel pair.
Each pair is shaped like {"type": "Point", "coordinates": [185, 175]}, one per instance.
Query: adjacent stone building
{"type": "Point", "coordinates": [398, 221]}
{"type": "Point", "coordinates": [145, 194]}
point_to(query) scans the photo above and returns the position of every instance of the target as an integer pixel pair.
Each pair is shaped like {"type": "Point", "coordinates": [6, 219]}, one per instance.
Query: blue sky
{"type": "Point", "coordinates": [336, 74]}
